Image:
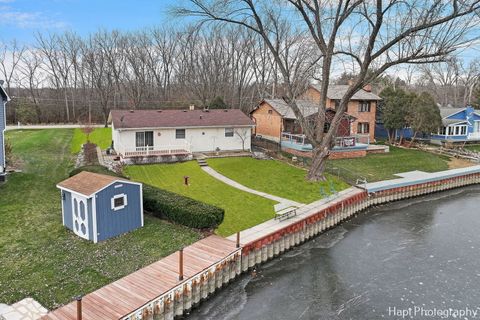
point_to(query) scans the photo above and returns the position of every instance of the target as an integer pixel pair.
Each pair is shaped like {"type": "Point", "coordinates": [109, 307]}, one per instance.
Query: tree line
{"type": "Point", "coordinates": [68, 78]}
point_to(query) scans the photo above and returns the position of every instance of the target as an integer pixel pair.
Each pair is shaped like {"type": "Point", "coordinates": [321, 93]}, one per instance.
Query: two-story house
{"type": "Point", "coordinates": [362, 106]}
{"type": "Point", "coordinates": [3, 101]}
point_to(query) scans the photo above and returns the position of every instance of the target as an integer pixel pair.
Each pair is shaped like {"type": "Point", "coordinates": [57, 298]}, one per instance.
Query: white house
{"type": "Point", "coordinates": [173, 134]}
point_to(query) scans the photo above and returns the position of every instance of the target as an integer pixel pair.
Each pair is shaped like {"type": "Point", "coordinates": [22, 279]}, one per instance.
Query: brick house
{"type": "Point", "coordinates": [274, 117]}
{"type": "Point", "coordinates": [362, 106]}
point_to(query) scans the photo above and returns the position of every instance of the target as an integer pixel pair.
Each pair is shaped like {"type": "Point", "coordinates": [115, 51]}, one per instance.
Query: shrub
{"type": "Point", "coordinates": [183, 210]}
{"type": "Point", "coordinates": [171, 206]}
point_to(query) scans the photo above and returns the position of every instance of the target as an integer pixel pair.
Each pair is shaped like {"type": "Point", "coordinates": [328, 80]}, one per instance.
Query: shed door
{"type": "Point", "coordinates": [80, 216]}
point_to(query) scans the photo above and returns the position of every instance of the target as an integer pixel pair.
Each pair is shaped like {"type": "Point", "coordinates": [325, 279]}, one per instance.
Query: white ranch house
{"type": "Point", "coordinates": [171, 135]}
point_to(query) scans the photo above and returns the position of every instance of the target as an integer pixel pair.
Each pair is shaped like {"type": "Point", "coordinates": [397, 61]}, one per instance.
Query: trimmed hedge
{"type": "Point", "coordinates": [183, 210]}
{"type": "Point", "coordinates": [171, 206]}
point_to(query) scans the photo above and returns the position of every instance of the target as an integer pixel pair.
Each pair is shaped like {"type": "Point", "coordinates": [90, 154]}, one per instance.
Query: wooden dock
{"type": "Point", "coordinates": [126, 295]}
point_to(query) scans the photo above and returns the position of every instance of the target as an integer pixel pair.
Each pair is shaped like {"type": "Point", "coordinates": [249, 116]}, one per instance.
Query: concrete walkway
{"type": "Point", "coordinates": [239, 186]}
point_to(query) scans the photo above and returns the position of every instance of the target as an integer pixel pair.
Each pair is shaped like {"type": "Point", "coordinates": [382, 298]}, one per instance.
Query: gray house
{"type": "Point", "coordinates": [97, 207]}
{"type": "Point", "coordinates": [3, 101]}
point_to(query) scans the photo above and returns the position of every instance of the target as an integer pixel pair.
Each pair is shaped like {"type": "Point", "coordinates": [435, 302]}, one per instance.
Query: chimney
{"type": "Point", "coordinates": [368, 87]}
{"type": "Point", "coordinates": [192, 107]}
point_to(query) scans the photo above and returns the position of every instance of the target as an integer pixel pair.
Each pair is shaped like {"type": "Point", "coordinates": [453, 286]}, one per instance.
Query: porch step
{"type": "Point", "coordinates": [202, 163]}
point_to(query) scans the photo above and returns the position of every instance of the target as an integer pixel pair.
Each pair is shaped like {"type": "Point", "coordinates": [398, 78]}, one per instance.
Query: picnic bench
{"type": "Point", "coordinates": [284, 211]}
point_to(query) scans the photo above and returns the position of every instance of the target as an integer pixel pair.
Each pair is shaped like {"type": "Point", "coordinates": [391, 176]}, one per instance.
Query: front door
{"type": "Point", "coordinates": [80, 216]}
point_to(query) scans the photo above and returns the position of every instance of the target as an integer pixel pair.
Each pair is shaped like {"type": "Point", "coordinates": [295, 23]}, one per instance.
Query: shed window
{"type": "Point", "coordinates": [228, 132]}
{"type": "Point", "coordinates": [364, 106]}
{"type": "Point", "coordinates": [144, 139]}
{"type": "Point", "coordinates": [180, 134]}
{"type": "Point", "coordinates": [119, 201]}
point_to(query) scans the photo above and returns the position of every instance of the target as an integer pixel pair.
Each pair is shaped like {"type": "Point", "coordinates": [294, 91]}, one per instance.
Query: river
{"type": "Point", "coordinates": [421, 255]}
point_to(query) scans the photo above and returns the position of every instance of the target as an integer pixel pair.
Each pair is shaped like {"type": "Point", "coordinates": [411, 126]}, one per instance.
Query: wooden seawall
{"type": "Point", "coordinates": [155, 292]}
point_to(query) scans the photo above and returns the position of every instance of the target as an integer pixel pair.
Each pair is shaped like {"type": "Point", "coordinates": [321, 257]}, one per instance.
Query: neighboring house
{"type": "Point", "coordinates": [362, 106]}
{"type": "Point", "coordinates": [3, 101]}
{"type": "Point", "coordinates": [97, 207]}
{"type": "Point", "coordinates": [275, 120]}
{"type": "Point", "coordinates": [459, 124]}
{"type": "Point", "coordinates": [169, 135]}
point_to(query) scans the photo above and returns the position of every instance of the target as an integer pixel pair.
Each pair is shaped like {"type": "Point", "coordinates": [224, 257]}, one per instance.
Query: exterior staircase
{"type": "Point", "coordinates": [202, 162]}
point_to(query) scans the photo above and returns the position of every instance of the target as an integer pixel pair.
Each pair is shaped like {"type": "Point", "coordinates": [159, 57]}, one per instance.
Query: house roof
{"type": "Point", "coordinates": [88, 183]}
{"type": "Point", "coordinates": [129, 119]}
{"type": "Point", "coordinates": [3, 93]}
{"type": "Point", "coordinates": [307, 108]}
{"type": "Point", "coordinates": [448, 111]}
{"type": "Point", "coordinates": [337, 91]}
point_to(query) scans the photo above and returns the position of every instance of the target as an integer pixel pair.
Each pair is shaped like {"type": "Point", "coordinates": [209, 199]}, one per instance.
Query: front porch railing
{"type": "Point", "coordinates": [182, 148]}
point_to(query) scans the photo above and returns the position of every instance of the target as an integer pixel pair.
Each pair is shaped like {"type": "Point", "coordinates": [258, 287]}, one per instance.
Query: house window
{"type": "Point", "coordinates": [144, 139]}
{"type": "Point", "coordinates": [364, 106]}
{"type": "Point", "coordinates": [363, 127]}
{"type": "Point", "coordinates": [180, 134]}
{"type": "Point", "coordinates": [464, 130]}
{"type": "Point", "coordinates": [270, 111]}
{"type": "Point", "coordinates": [228, 132]}
{"type": "Point", "coordinates": [326, 127]}
{"type": "Point", "coordinates": [119, 202]}
{"type": "Point", "coordinates": [337, 104]}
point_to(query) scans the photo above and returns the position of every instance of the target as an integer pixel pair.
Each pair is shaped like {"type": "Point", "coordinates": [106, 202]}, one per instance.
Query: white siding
{"type": "Point", "coordinates": [199, 139]}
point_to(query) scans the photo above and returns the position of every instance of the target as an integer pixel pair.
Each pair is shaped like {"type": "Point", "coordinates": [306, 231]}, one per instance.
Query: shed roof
{"type": "Point", "coordinates": [89, 183]}
{"type": "Point", "coordinates": [129, 119]}
{"type": "Point", "coordinates": [337, 91]}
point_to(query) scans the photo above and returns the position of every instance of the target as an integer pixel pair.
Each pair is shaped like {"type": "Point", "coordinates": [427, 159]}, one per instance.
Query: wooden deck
{"type": "Point", "coordinates": [130, 293]}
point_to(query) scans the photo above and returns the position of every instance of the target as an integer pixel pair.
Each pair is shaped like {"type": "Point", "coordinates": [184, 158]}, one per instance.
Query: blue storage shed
{"type": "Point", "coordinates": [97, 207]}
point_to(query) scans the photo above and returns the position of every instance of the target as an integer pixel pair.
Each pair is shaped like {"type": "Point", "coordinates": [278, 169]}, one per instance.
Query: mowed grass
{"type": "Point", "coordinates": [102, 137]}
{"type": "Point", "coordinates": [275, 177]}
{"type": "Point", "coordinates": [42, 259]}
{"type": "Point", "coordinates": [376, 167]}
{"type": "Point", "coordinates": [242, 210]}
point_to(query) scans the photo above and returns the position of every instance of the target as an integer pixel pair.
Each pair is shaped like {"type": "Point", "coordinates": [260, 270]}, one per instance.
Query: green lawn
{"type": "Point", "coordinates": [42, 259]}
{"type": "Point", "coordinates": [274, 177]}
{"type": "Point", "coordinates": [475, 147]}
{"type": "Point", "coordinates": [242, 210]}
{"type": "Point", "coordinates": [377, 167]}
{"type": "Point", "coordinates": [102, 137]}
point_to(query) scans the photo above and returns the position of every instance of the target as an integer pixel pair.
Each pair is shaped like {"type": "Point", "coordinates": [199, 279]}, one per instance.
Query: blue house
{"type": "Point", "coordinates": [459, 124]}
{"type": "Point", "coordinates": [97, 207]}
{"type": "Point", "coordinates": [3, 101]}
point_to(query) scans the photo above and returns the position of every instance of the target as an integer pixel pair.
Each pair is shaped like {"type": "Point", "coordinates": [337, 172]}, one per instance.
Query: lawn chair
{"type": "Point", "coordinates": [284, 211]}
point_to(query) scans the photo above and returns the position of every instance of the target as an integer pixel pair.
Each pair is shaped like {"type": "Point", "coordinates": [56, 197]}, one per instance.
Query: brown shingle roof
{"type": "Point", "coordinates": [87, 183]}
{"type": "Point", "coordinates": [178, 118]}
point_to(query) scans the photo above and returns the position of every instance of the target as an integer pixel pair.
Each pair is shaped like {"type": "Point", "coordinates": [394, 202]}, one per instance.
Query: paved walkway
{"type": "Point", "coordinates": [239, 186]}
{"type": "Point", "coordinates": [26, 309]}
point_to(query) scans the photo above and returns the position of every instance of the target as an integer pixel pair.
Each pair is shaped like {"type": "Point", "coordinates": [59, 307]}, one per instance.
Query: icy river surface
{"type": "Point", "coordinates": [419, 258]}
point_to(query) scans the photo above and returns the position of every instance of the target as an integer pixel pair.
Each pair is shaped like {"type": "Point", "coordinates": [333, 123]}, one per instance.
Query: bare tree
{"type": "Point", "coordinates": [374, 35]}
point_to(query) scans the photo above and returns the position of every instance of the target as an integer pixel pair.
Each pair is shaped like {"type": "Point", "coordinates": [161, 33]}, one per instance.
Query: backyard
{"type": "Point", "coordinates": [376, 167]}
{"type": "Point", "coordinates": [242, 210]}
{"type": "Point", "coordinates": [42, 259]}
{"type": "Point", "coordinates": [275, 177]}
{"type": "Point", "coordinates": [100, 136]}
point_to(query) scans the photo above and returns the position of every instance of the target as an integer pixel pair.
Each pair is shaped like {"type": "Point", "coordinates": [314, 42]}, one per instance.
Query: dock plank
{"type": "Point", "coordinates": [133, 291]}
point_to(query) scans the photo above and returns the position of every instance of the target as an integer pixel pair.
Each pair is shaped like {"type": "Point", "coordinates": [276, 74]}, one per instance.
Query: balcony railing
{"type": "Point", "coordinates": [177, 149]}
